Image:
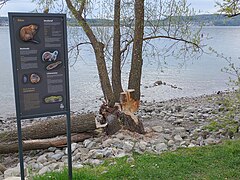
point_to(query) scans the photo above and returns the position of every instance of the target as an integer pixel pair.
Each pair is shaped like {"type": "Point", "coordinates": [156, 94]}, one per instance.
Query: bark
{"type": "Point", "coordinates": [137, 61]}
{"type": "Point", "coordinates": [6, 148]}
{"type": "Point", "coordinates": [116, 63]}
{"type": "Point", "coordinates": [98, 49]}
{"type": "Point", "coordinates": [51, 128]}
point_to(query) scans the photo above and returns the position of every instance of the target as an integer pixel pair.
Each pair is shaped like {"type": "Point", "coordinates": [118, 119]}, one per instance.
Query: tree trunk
{"type": "Point", "coordinates": [136, 65]}
{"type": "Point", "coordinates": [116, 63]}
{"type": "Point", "coordinates": [98, 49]}
{"type": "Point", "coordinates": [6, 148]}
{"type": "Point", "coordinates": [51, 128]}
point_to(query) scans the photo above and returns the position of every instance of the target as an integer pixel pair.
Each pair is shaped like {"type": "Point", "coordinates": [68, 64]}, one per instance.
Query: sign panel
{"type": "Point", "coordinates": [40, 66]}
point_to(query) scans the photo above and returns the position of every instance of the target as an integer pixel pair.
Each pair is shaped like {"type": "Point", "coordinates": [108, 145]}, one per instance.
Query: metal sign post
{"type": "Point", "coordinates": [40, 70]}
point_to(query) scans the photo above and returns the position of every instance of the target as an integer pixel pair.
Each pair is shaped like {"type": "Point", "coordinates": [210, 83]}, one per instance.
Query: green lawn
{"type": "Point", "coordinates": [210, 162]}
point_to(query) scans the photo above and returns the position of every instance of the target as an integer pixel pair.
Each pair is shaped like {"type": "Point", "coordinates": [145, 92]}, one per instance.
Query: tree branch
{"type": "Point", "coordinates": [165, 37]}
{"type": "Point", "coordinates": [2, 2]}
{"type": "Point", "coordinates": [77, 45]}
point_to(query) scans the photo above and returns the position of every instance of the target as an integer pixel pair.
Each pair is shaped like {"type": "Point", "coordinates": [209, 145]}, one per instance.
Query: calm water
{"type": "Point", "coordinates": [197, 77]}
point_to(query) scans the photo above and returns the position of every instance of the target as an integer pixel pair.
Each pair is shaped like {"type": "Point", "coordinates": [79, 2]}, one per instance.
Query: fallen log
{"type": "Point", "coordinates": [51, 128]}
{"type": "Point", "coordinates": [6, 148]}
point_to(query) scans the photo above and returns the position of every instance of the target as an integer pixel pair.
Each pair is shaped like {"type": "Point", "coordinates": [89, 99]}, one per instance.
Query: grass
{"type": "Point", "coordinates": [209, 162]}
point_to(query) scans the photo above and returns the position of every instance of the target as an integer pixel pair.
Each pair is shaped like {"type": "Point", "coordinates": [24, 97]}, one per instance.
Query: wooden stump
{"type": "Point", "coordinates": [121, 116]}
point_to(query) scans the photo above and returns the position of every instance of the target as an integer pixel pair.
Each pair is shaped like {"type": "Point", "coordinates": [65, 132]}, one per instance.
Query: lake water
{"type": "Point", "coordinates": [197, 76]}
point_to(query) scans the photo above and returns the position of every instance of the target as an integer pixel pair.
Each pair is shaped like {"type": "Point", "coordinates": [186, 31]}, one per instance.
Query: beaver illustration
{"type": "Point", "coordinates": [27, 33]}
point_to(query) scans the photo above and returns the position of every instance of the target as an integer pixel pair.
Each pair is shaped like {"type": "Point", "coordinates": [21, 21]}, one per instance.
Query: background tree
{"type": "Point", "coordinates": [129, 38]}
{"type": "Point", "coordinates": [229, 7]}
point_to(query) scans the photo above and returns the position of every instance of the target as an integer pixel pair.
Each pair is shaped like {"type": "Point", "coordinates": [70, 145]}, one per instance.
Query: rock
{"type": "Point", "coordinates": [206, 110]}
{"type": "Point", "coordinates": [178, 138]}
{"type": "Point", "coordinates": [52, 149]}
{"type": "Point", "coordinates": [171, 143]}
{"type": "Point", "coordinates": [158, 129]}
{"type": "Point", "coordinates": [15, 171]}
{"type": "Point", "coordinates": [130, 160]}
{"type": "Point", "coordinates": [57, 156]}
{"type": "Point", "coordinates": [205, 116]}
{"type": "Point", "coordinates": [183, 143]}
{"type": "Point", "coordinates": [149, 109]}
{"type": "Point", "coordinates": [36, 166]}
{"type": "Point", "coordinates": [128, 146]}
{"type": "Point", "coordinates": [73, 147]}
{"type": "Point", "coordinates": [98, 154]}
{"type": "Point", "coordinates": [210, 141]}
{"type": "Point", "coordinates": [44, 170]}
{"type": "Point", "coordinates": [179, 115]}
{"type": "Point", "coordinates": [178, 122]}
{"type": "Point", "coordinates": [108, 152]}
{"type": "Point", "coordinates": [86, 142]}
{"type": "Point", "coordinates": [180, 131]}
{"type": "Point", "coordinates": [157, 83]}
{"type": "Point", "coordinates": [76, 157]}
{"type": "Point", "coordinates": [13, 178]}
{"type": "Point", "coordinates": [161, 147]}
{"type": "Point", "coordinates": [190, 109]}
{"type": "Point", "coordinates": [107, 143]}
{"type": "Point", "coordinates": [191, 145]}
{"type": "Point", "coordinates": [120, 136]}
{"type": "Point", "coordinates": [54, 166]}
{"type": "Point", "coordinates": [117, 143]}
{"type": "Point", "coordinates": [142, 145]}
{"type": "Point", "coordinates": [77, 165]}
{"type": "Point", "coordinates": [42, 159]}
{"type": "Point", "coordinates": [95, 162]}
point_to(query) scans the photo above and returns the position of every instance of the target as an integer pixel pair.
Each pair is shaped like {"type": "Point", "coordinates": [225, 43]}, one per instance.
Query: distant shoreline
{"type": "Point", "coordinates": [204, 20]}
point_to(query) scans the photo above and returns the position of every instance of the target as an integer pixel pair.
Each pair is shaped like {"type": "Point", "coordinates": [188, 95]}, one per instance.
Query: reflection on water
{"type": "Point", "coordinates": [197, 77]}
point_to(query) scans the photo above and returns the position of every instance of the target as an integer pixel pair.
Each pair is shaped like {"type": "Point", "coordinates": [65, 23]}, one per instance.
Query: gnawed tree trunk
{"type": "Point", "coordinates": [12, 147]}
{"type": "Point", "coordinates": [51, 128]}
{"type": "Point", "coordinates": [122, 117]}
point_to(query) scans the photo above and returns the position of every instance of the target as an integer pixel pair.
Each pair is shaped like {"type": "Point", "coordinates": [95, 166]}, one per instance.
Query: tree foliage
{"type": "Point", "coordinates": [229, 7]}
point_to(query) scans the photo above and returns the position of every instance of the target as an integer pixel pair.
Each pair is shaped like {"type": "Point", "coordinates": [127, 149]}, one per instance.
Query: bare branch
{"type": "Point", "coordinates": [165, 37]}
{"type": "Point", "coordinates": [77, 46]}
{"type": "Point", "coordinates": [3, 2]}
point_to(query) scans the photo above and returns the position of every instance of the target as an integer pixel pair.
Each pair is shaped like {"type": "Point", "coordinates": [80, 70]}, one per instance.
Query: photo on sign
{"type": "Point", "coordinates": [53, 65]}
{"type": "Point", "coordinates": [47, 56]}
{"type": "Point", "coordinates": [33, 78]}
{"type": "Point", "coordinates": [28, 32]}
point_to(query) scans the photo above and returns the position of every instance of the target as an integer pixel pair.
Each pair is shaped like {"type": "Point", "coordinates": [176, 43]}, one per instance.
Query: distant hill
{"type": "Point", "coordinates": [216, 20]}
{"type": "Point", "coordinates": [205, 20]}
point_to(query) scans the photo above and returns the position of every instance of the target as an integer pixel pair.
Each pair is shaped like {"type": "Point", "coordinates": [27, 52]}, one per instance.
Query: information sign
{"type": "Point", "coordinates": [39, 63]}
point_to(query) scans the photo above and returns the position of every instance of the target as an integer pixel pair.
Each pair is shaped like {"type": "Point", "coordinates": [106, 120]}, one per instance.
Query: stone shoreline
{"type": "Point", "coordinates": [169, 125]}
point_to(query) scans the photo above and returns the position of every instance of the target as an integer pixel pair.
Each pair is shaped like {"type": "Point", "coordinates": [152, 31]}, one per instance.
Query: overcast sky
{"type": "Point", "coordinates": [202, 6]}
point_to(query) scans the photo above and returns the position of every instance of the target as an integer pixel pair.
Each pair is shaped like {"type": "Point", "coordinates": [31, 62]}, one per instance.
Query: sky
{"type": "Point", "coordinates": [200, 6]}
